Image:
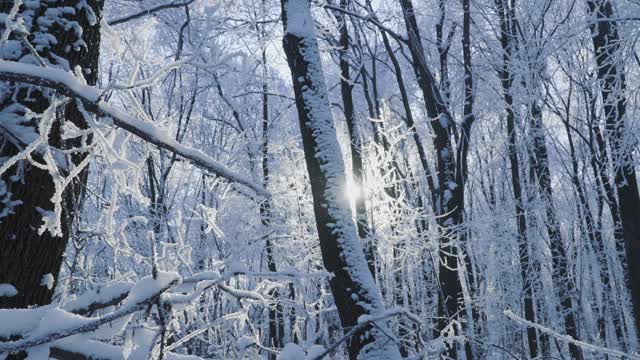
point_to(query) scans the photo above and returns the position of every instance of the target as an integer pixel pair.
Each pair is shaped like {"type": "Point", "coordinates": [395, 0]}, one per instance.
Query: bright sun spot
{"type": "Point", "coordinates": [353, 192]}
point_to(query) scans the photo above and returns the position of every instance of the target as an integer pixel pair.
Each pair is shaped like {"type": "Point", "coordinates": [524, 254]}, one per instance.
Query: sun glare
{"type": "Point", "coordinates": [352, 192]}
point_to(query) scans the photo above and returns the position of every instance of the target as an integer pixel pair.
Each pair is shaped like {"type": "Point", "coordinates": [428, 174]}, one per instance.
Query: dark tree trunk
{"type": "Point", "coordinates": [355, 141]}
{"type": "Point", "coordinates": [25, 255]}
{"type": "Point", "coordinates": [352, 285]}
{"type": "Point", "coordinates": [462, 161]}
{"type": "Point", "coordinates": [275, 314]}
{"type": "Point", "coordinates": [448, 192]}
{"type": "Point", "coordinates": [562, 277]}
{"type": "Point", "coordinates": [507, 80]}
{"type": "Point", "coordinates": [606, 43]}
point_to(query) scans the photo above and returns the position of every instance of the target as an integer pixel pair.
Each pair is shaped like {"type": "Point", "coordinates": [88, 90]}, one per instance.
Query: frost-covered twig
{"type": "Point", "coordinates": [59, 326]}
{"type": "Point", "coordinates": [363, 323]}
{"type": "Point", "coordinates": [44, 128]}
{"type": "Point", "coordinates": [153, 79]}
{"type": "Point", "coordinates": [370, 19]}
{"type": "Point", "coordinates": [10, 25]}
{"type": "Point", "coordinates": [569, 339]}
{"type": "Point", "coordinates": [127, 18]}
{"type": "Point", "coordinates": [69, 85]}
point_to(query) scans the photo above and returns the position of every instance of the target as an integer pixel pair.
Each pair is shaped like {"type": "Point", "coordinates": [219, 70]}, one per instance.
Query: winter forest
{"type": "Point", "coordinates": [319, 179]}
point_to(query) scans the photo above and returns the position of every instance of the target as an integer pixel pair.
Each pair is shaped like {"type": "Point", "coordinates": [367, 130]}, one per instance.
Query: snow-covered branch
{"type": "Point", "coordinates": [71, 86]}
{"type": "Point", "coordinates": [58, 324]}
{"type": "Point", "coordinates": [569, 339]}
{"type": "Point", "coordinates": [364, 323]}
{"type": "Point", "coordinates": [99, 298]}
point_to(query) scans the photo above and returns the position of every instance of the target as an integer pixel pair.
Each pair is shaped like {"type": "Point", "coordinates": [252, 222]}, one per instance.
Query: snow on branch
{"type": "Point", "coordinates": [363, 324]}
{"type": "Point", "coordinates": [569, 339]}
{"type": "Point", "coordinates": [99, 298]}
{"type": "Point", "coordinates": [58, 324]}
{"type": "Point", "coordinates": [90, 97]}
{"type": "Point", "coordinates": [80, 347]}
{"type": "Point", "coordinates": [64, 328]}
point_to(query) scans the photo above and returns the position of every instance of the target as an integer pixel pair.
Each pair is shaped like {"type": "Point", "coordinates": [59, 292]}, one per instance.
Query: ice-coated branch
{"type": "Point", "coordinates": [78, 347]}
{"type": "Point", "coordinates": [569, 339]}
{"type": "Point", "coordinates": [363, 324]}
{"type": "Point", "coordinates": [90, 97]}
{"type": "Point", "coordinates": [59, 325]}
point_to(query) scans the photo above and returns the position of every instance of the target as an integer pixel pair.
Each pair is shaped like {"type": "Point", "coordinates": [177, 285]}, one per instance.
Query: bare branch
{"type": "Point", "coordinates": [153, 10]}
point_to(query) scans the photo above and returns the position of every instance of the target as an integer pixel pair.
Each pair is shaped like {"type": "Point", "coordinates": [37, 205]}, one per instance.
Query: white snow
{"type": "Point", "coordinates": [89, 348]}
{"type": "Point", "coordinates": [245, 341]}
{"type": "Point", "coordinates": [147, 286]}
{"type": "Point", "coordinates": [8, 290]}
{"type": "Point", "coordinates": [175, 356]}
{"type": "Point", "coordinates": [299, 20]}
{"type": "Point", "coordinates": [19, 321]}
{"type": "Point", "coordinates": [99, 295]}
{"type": "Point", "coordinates": [38, 352]}
{"type": "Point", "coordinates": [47, 280]}
{"type": "Point", "coordinates": [314, 351]}
{"type": "Point", "coordinates": [291, 351]}
{"type": "Point", "coordinates": [57, 320]}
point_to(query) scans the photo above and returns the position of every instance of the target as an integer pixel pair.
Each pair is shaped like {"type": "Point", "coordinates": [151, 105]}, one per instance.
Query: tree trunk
{"type": "Point", "coordinates": [275, 314]}
{"type": "Point", "coordinates": [563, 280]}
{"type": "Point", "coordinates": [26, 256]}
{"type": "Point", "coordinates": [447, 205]}
{"type": "Point", "coordinates": [355, 141]}
{"type": "Point", "coordinates": [462, 164]}
{"type": "Point", "coordinates": [352, 285]}
{"type": "Point", "coordinates": [606, 43]}
{"type": "Point", "coordinates": [507, 80]}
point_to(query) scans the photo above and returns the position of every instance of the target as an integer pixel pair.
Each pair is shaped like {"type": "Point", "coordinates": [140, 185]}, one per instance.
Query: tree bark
{"type": "Point", "coordinates": [357, 168]}
{"type": "Point", "coordinates": [506, 78]}
{"type": "Point", "coordinates": [561, 274]}
{"type": "Point", "coordinates": [27, 256]}
{"type": "Point", "coordinates": [606, 43]}
{"type": "Point", "coordinates": [352, 285]}
{"type": "Point", "coordinates": [447, 200]}
{"type": "Point", "coordinates": [275, 313]}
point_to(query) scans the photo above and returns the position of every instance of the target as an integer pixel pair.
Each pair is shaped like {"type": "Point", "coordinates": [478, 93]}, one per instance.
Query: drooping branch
{"type": "Point", "coordinates": [569, 339]}
{"type": "Point", "coordinates": [136, 301]}
{"type": "Point", "coordinates": [90, 97]}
